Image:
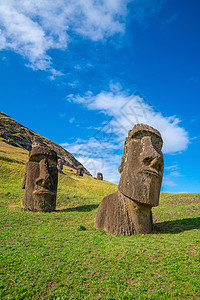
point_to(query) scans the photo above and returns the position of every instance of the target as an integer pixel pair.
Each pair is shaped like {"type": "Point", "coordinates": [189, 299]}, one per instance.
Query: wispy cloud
{"type": "Point", "coordinates": [173, 167]}
{"type": "Point", "coordinates": [123, 110]}
{"type": "Point", "coordinates": [126, 109]}
{"type": "Point", "coordinates": [170, 20]}
{"type": "Point", "coordinates": [32, 28]}
{"type": "Point", "coordinates": [97, 156]}
{"type": "Point", "coordinates": [71, 120]}
{"type": "Point", "coordinates": [170, 179]}
{"type": "Point", "coordinates": [168, 182]}
{"type": "Point", "coordinates": [172, 175]}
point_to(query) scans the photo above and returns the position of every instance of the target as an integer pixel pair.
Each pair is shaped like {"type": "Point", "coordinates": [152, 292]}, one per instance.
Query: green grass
{"type": "Point", "coordinates": [60, 255]}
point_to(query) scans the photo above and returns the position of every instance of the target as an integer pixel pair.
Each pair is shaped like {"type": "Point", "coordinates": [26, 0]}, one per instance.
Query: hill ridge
{"type": "Point", "coordinates": [18, 135]}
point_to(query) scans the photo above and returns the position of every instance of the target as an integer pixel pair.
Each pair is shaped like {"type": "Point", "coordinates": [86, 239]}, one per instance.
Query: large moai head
{"type": "Point", "coordinates": [142, 165]}
{"type": "Point", "coordinates": [41, 180]}
{"type": "Point", "coordinates": [99, 176]}
{"type": "Point", "coordinates": [79, 171]}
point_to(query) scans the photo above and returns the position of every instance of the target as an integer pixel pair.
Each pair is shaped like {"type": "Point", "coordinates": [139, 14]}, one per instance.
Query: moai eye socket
{"type": "Point", "coordinates": [157, 142]}
{"type": "Point", "coordinates": [37, 157]}
{"type": "Point", "coordinates": [147, 161]}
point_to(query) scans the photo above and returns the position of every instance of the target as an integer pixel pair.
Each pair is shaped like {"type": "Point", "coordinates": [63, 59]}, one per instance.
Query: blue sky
{"type": "Point", "coordinates": [82, 73]}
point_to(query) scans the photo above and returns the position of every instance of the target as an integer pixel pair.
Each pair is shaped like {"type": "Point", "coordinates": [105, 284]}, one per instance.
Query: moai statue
{"type": "Point", "coordinates": [40, 180]}
{"type": "Point", "coordinates": [99, 176]}
{"type": "Point", "coordinates": [79, 171]}
{"type": "Point", "coordinates": [60, 165]}
{"type": "Point", "coordinates": [128, 211]}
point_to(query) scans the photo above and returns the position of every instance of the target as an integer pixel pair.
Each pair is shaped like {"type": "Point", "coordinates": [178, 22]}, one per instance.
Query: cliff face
{"type": "Point", "coordinates": [18, 135]}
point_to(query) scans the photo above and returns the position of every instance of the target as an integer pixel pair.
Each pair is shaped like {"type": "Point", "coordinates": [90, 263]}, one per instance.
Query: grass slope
{"type": "Point", "coordinates": [48, 256]}
{"type": "Point", "coordinates": [18, 135]}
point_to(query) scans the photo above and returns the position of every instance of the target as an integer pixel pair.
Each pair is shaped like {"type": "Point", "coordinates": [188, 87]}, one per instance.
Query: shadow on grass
{"type": "Point", "coordinates": [81, 208]}
{"type": "Point", "coordinates": [177, 225]}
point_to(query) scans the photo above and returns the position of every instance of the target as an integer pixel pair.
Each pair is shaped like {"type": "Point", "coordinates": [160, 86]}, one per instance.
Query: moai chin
{"type": "Point", "coordinates": [128, 211]}
{"type": "Point", "coordinates": [79, 171]}
{"type": "Point", "coordinates": [41, 180]}
{"type": "Point", "coordinates": [99, 176]}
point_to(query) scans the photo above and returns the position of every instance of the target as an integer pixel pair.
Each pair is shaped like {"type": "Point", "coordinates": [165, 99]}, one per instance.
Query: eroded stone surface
{"type": "Point", "coordinates": [99, 176]}
{"type": "Point", "coordinates": [129, 210]}
{"type": "Point", "coordinates": [60, 166]}
{"type": "Point", "coordinates": [117, 214]}
{"type": "Point", "coordinates": [142, 165]}
{"type": "Point", "coordinates": [79, 171]}
{"type": "Point", "coordinates": [40, 180]}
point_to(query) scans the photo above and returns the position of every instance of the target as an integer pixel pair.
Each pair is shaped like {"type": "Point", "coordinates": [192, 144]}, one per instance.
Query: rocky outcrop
{"type": "Point", "coordinates": [18, 135]}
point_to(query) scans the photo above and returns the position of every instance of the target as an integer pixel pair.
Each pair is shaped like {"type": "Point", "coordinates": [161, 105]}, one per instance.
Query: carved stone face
{"type": "Point", "coordinates": [40, 180]}
{"type": "Point", "coordinates": [79, 171]}
{"type": "Point", "coordinates": [99, 176]}
{"type": "Point", "coordinates": [142, 165]}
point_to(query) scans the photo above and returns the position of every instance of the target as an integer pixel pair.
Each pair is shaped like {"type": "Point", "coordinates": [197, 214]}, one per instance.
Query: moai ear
{"type": "Point", "coordinates": [121, 167]}
{"type": "Point", "coordinates": [24, 181]}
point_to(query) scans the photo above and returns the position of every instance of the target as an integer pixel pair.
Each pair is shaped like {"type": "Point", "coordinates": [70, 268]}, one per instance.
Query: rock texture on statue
{"type": "Point", "coordinates": [60, 166]}
{"type": "Point", "coordinates": [40, 180]}
{"type": "Point", "coordinates": [79, 171]}
{"type": "Point", "coordinates": [128, 211]}
{"type": "Point", "coordinates": [99, 176]}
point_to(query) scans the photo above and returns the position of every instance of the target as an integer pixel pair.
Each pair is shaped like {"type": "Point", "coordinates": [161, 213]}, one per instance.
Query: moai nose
{"type": "Point", "coordinates": [44, 179]}
{"type": "Point", "coordinates": [157, 163]}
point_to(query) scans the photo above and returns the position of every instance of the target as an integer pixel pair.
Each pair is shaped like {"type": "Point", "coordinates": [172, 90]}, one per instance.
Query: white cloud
{"type": "Point", "coordinates": [169, 180]}
{"type": "Point", "coordinates": [128, 110]}
{"type": "Point", "coordinates": [32, 27]}
{"type": "Point", "coordinates": [95, 165]}
{"type": "Point", "coordinates": [174, 167]}
{"type": "Point", "coordinates": [175, 174]}
{"type": "Point", "coordinates": [169, 20]}
{"type": "Point", "coordinates": [123, 110]}
{"type": "Point", "coordinates": [97, 156]}
{"type": "Point", "coordinates": [71, 120]}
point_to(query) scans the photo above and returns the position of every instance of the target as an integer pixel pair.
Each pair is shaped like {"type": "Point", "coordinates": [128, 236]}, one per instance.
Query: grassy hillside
{"type": "Point", "coordinates": [48, 256]}
{"type": "Point", "coordinates": [15, 134]}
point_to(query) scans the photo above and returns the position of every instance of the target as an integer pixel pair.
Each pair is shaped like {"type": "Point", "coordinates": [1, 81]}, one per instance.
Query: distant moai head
{"type": "Point", "coordinates": [142, 165]}
{"type": "Point", "coordinates": [79, 171]}
{"type": "Point", "coordinates": [40, 180]}
{"type": "Point", "coordinates": [60, 165]}
{"type": "Point", "coordinates": [99, 176]}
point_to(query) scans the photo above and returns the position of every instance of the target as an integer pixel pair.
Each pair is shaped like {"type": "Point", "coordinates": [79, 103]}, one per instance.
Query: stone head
{"type": "Point", "coordinates": [99, 176]}
{"type": "Point", "coordinates": [40, 180]}
{"type": "Point", "coordinates": [142, 165]}
{"type": "Point", "coordinates": [79, 171]}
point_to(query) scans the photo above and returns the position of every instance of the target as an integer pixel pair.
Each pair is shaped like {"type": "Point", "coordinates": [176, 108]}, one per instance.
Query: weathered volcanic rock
{"type": "Point", "coordinates": [129, 210]}
{"type": "Point", "coordinates": [99, 176]}
{"type": "Point", "coordinates": [117, 214]}
{"type": "Point", "coordinates": [60, 166]}
{"type": "Point", "coordinates": [40, 180]}
{"type": "Point", "coordinates": [79, 171]}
